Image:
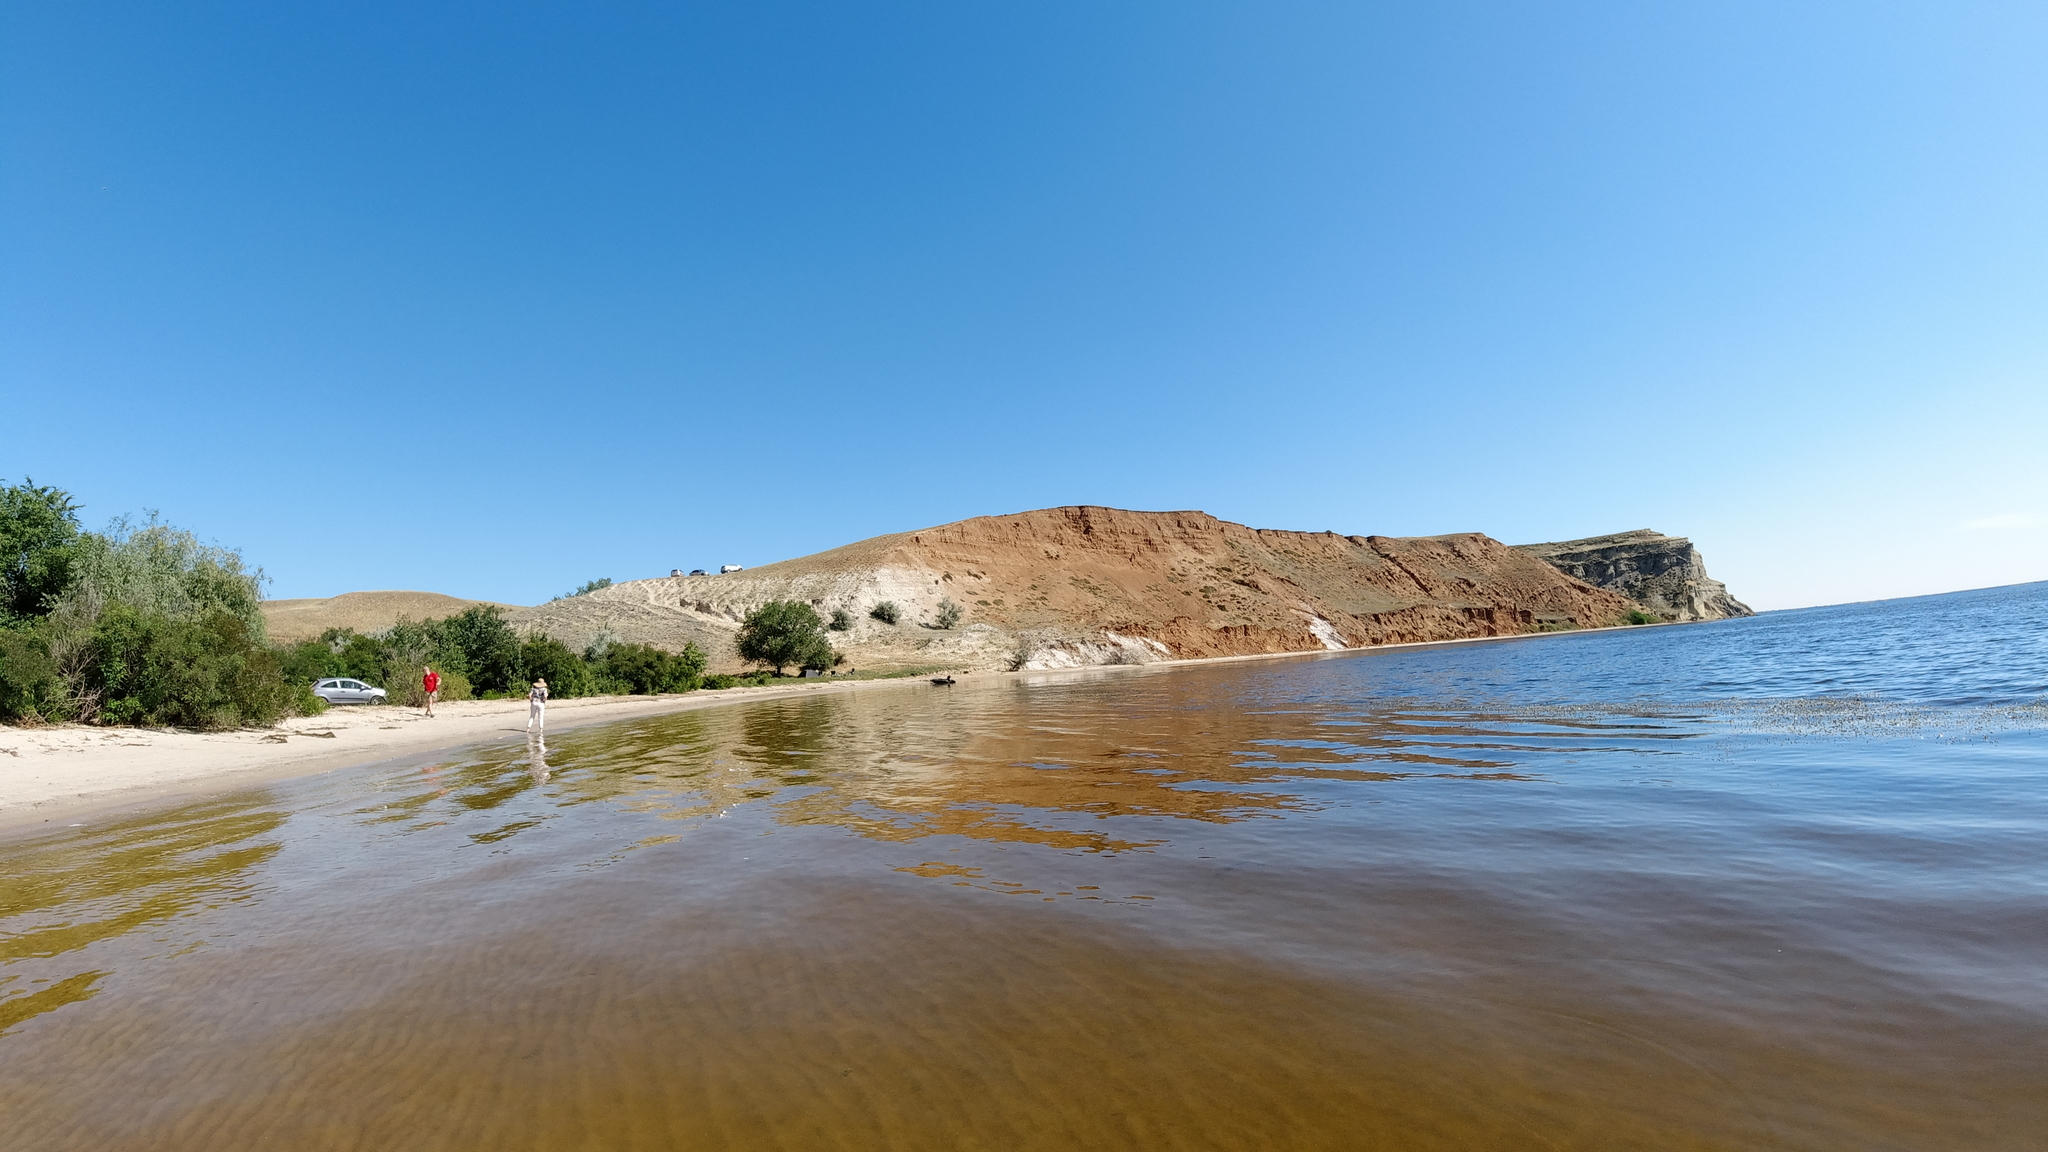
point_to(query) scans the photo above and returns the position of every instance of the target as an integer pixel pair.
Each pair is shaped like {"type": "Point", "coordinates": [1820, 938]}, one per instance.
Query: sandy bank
{"type": "Point", "coordinates": [48, 775]}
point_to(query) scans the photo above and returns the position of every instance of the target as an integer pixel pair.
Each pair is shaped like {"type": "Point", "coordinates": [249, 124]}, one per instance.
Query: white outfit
{"type": "Point", "coordinates": [537, 706]}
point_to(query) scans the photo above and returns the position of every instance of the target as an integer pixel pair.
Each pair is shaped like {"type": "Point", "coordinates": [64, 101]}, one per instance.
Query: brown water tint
{"type": "Point", "coordinates": [1298, 906]}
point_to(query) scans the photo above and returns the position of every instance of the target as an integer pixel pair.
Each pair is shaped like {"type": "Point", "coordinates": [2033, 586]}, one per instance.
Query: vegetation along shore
{"type": "Point", "coordinates": [144, 625]}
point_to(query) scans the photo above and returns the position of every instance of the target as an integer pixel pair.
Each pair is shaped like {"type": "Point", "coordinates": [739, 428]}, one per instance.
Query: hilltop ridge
{"type": "Point", "coordinates": [1665, 574]}
{"type": "Point", "coordinates": [291, 621]}
{"type": "Point", "coordinates": [1082, 585]}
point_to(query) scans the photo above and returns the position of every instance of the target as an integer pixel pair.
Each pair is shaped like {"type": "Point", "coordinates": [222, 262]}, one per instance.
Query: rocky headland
{"type": "Point", "coordinates": [1663, 574]}
{"type": "Point", "coordinates": [1084, 585]}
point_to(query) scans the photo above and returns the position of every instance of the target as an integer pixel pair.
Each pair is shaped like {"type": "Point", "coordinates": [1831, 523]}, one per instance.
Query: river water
{"type": "Point", "coordinates": [1768, 883]}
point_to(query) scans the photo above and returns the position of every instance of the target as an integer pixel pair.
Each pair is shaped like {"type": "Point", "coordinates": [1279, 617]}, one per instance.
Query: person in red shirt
{"type": "Point", "coordinates": [431, 681]}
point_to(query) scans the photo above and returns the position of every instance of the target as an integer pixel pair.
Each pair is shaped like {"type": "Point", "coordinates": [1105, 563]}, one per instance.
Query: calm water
{"type": "Point", "coordinates": [1771, 883]}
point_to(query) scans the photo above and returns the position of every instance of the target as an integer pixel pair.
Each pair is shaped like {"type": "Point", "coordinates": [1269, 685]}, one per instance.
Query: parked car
{"type": "Point", "coordinates": [342, 690]}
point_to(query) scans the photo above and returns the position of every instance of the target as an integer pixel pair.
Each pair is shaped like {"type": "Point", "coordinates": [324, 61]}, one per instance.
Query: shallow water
{"type": "Point", "coordinates": [1771, 883]}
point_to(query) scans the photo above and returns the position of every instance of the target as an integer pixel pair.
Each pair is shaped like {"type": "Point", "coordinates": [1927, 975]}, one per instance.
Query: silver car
{"type": "Point", "coordinates": [342, 690]}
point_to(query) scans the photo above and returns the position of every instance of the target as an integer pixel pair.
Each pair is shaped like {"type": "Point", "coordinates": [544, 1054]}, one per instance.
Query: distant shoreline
{"type": "Point", "coordinates": [50, 777]}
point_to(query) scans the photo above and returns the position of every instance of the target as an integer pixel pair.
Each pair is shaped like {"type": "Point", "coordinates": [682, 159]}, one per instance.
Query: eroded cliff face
{"type": "Point", "coordinates": [1664, 574]}
{"type": "Point", "coordinates": [1064, 587]}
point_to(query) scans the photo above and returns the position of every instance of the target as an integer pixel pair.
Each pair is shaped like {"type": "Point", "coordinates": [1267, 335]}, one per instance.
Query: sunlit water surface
{"type": "Point", "coordinates": [1770, 883]}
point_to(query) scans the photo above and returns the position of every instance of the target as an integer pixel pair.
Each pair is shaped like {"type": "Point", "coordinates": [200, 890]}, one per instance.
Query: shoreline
{"type": "Point", "coordinates": [52, 776]}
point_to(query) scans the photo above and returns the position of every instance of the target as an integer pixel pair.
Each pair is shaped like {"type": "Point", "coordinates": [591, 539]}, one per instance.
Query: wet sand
{"type": "Point", "coordinates": [814, 1013]}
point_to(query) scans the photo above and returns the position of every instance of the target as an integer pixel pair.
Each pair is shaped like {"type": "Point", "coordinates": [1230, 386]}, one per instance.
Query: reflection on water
{"type": "Point", "coordinates": [141, 875]}
{"type": "Point", "coordinates": [907, 773]}
{"type": "Point", "coordinates": [1597, 891]}
{"type": "Point", "coordinates": [537, 757]}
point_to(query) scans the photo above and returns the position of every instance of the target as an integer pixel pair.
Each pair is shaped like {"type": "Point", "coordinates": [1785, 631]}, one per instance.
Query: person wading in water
{"type": "Point", "coordinates": [537, 705]}
{"type": "Point", "coordinates": [430, 680]}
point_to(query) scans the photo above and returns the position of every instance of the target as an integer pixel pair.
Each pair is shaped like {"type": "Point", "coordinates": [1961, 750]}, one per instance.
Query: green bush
{"type": "Point", "coordinates": [643, 670]}
{"type": "Point", "coordinates": [482, 646]}
{"type": "Point", "coordinates": [340, 652]}
{"type": "Point", "coordinates": [542, 657]}
{"type": "Point", "coordinates": [150, 669]}
{"type": "Point", "coordinates": [842, 620]}
{"type": "Point", "coordinates": [409, 690]}
{"type": "Point", "coordinates": [1638, 616]}
{"type": "Point", "coordinates": [161, 570]}
{"type": "Point", "coordinates": [306, 661]}
{"type": "Point", "coordinates": [784, 632]}
{"type": "Point", "coordinates": [30, 689]}
{"type": "Point", "coordinates": [455, 686]}
{"type": "Point", "coordinates": [949, 613]}
{"type": "Point", "coordinates": [591, 586]}
{"type": "Point", "coordinates": [886, 612]}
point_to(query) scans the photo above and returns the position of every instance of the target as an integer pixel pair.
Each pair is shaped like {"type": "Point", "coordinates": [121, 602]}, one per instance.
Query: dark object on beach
{"type": "Point", "coordinates": [942, 679]}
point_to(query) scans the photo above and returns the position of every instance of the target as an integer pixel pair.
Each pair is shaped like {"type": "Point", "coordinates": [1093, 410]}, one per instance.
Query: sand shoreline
{"type": "Point", "coordinates": [50, 776]}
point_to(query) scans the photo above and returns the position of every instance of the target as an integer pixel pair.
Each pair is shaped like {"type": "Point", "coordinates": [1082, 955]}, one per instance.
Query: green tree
{"type": "Point", "coordinates": [160, 569]}
{"type": "Point", "coordinates": [39, 540]}
{"type": "Point", "coordinates": [643, 670]}
{"type": "Point", "coordinates": [209, 673]}
{"type": "Point", "coordinates": [820, 655]}
{"type": "Point", "coordinates": [30, 688]}
{"type": "Point", "coordinates": [784, 632]}
{"type": "Point", "coordinates": [949, 613]}
{"type": "Point", "coordinates": [487, 646]}
{"type": "Point", "coordinates": [541, 657]}
{"type": "Point", "coordinates": [688, 670]}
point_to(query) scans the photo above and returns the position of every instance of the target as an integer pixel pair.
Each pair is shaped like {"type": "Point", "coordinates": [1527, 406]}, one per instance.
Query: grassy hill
{"type": "Point", "coordinates": [290, 621]}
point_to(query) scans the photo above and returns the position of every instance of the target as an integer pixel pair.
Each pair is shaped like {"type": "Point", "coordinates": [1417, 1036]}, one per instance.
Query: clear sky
{"type": "Point", "coordinates": [491, 299]}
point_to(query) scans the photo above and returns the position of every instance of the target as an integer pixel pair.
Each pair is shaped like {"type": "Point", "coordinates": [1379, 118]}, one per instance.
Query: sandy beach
{"type": "Point", "coordinates": [50, 774]}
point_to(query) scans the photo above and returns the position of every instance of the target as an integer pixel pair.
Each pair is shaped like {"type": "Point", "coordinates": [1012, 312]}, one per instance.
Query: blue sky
{"type": "Point", "coordinates": [493, 299]}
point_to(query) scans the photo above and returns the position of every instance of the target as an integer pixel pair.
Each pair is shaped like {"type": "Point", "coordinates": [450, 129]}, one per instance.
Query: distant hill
{"type": "Point", "coordinates": [291, 621]}
{"type": "Point", "coordinates": [1074, 586]}
{"type": "Point", "coordinates": [1665, 574]}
